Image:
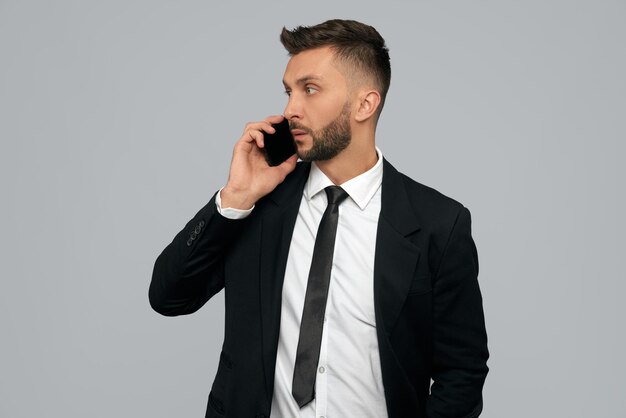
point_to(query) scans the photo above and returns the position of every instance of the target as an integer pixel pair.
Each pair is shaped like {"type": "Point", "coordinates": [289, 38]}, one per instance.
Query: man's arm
{"type": "Point", "coordinates": [190, 270]}
{"type": "Point", "coordinates": [459, 337]}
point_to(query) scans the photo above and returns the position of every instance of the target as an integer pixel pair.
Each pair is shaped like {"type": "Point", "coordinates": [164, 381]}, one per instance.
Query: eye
{"type": "Point", "coordinates": [310, 90]}
{"type": "Point", "coordinates": [288, 92]}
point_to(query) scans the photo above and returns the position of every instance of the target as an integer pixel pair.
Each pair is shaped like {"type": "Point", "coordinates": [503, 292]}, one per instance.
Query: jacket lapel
{"type": "Point", "coordinates": [278, 221]}
{"type": "Point", "coordinates": [396, 256]}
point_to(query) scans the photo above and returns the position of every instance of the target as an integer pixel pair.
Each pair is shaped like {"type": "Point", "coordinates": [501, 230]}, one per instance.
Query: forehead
{"type": "Point", "coordinates": [316, 63]}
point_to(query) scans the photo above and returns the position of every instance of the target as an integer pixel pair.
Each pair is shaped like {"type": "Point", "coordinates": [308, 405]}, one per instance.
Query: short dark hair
{"type": "Point", "coordinates": [353, 42]}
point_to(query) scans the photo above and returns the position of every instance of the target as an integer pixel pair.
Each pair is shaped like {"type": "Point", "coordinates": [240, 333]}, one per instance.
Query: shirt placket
{"type": "Point", "coordinates": [321, 380]}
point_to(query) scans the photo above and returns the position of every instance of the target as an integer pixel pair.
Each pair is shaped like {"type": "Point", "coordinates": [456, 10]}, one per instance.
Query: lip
{"type": "Point", "coordinates": [297, 132]}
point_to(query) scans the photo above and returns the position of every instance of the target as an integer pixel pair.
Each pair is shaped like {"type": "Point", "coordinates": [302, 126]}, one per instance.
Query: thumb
{"type": "Point", "coordinates": [288, 165]}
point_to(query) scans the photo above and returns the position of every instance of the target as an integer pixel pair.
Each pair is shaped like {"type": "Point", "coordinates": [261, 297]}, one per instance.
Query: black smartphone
{"type": "Point", "coordinates": [280, 145]}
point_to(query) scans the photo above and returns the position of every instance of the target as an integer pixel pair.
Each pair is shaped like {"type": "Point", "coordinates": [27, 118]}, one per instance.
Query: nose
{"type": "Point", "coordinates": [292, 110]}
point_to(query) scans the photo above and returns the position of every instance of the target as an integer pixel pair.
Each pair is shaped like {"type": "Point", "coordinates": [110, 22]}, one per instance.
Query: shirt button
{"type": "Point", "coordinates": [322, 370]}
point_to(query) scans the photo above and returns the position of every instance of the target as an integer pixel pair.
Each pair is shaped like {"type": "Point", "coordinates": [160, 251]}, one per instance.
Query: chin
{"type": "Point", "coordinates": [300, 149]}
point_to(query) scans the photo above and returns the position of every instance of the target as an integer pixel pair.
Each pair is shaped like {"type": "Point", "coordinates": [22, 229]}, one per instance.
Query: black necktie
{"type": "Point", "coordinates": [308, 353]}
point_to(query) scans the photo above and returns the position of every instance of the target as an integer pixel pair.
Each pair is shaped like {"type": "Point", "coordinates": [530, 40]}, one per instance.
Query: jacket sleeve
{"type": "Point", "coordinates": [459, 337]}
{"type": "Point", "coordinates": [190, 270]}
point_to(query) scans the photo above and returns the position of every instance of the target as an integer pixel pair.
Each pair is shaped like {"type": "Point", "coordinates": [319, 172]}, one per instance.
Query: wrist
{"type": "Point", "coordinates": [236, 199]}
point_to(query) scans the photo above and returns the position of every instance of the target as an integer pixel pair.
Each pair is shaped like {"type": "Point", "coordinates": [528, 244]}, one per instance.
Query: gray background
{"type": "Point", "coordinates": [117, 120]}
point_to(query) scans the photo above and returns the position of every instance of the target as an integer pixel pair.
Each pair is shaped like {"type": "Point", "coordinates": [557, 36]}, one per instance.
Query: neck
{"type": "Point", "coordinates": [357, 158]}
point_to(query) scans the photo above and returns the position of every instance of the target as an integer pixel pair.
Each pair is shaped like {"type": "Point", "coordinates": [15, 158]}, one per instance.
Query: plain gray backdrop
{"type": "Point", "coordinates": [117, 121]}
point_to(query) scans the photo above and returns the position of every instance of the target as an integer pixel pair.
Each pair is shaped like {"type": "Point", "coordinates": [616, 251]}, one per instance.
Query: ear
{"type": "Point", "coordinates": [368, 104]}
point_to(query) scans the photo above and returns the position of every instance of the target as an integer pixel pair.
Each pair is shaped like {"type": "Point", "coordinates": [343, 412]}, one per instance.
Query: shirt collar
{"type": "Point", "coordinates": [361, 188]}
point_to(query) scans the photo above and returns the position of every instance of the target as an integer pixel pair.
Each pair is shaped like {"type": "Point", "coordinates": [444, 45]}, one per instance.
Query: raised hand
{"type": "Point", "coordinates": [250, 177]}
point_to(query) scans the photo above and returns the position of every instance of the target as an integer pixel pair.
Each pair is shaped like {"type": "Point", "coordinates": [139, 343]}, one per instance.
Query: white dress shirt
{"type": "Point", "coordinates": [349, 380]}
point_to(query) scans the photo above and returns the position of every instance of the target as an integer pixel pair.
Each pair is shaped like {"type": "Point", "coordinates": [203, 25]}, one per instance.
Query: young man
{"type": "Point", "coordinates": [348, 286]}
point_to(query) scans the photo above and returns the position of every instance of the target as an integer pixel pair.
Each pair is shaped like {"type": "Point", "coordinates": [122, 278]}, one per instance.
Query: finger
{"type": "Point", "coordinates": [252, 137]}
{"type": "Point", "coordinates": [274, 118]}
{"type": "Point", "coordinates": [260, 126]}
{"type": "Point", "coordinates": [257, 137]}
{"type": "Point", "coordinates": [288, 165]}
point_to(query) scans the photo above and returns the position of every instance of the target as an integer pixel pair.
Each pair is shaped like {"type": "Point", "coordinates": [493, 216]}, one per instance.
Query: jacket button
{"type": "Point", "coordinates": [201, 224]}
{"type": "Point", "coordinates": [189, 241]}
{"type": "Point", "coordinates": [193, 235]}
{"type": "Point", "coordinates": [198, 229]}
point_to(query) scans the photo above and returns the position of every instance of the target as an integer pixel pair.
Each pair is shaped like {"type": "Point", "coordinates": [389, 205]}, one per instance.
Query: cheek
{"type": "Point", "coordinates": [324, 113]}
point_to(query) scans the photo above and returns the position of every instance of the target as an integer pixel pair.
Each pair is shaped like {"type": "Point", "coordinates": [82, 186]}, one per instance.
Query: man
{"type": "Point", "coordinates": [340, 301]}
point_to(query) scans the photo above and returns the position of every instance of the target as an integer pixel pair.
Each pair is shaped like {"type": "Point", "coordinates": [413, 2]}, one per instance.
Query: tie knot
{"type": "Point", "coordinates": [335, 195]}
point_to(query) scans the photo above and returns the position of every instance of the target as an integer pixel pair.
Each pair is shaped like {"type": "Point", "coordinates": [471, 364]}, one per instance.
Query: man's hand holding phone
{"type": "Point", "coordinates": [251, 177]}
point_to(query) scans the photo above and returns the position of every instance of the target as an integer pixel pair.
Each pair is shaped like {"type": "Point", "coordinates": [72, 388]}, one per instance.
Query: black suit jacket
{"type": "Point", "coordinates": [428, 306]}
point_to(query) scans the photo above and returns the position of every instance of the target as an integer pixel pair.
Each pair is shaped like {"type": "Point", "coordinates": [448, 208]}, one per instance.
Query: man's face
{"type": "Point", "coordinates": [319, 107]}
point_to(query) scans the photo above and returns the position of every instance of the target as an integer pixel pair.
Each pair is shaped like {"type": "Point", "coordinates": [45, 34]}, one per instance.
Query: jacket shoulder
{"type": "Point", "coordinates": [428, 200]}
{"type": "Point", "coordinates": [436, 213]}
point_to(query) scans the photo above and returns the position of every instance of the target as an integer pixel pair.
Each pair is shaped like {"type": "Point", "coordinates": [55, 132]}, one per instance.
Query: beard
{"type": "Point", "coordinates": [329, 140]}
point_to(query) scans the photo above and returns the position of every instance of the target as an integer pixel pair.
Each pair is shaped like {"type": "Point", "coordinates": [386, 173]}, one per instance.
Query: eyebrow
{"type": "Point", "coordinates": [304, 79]}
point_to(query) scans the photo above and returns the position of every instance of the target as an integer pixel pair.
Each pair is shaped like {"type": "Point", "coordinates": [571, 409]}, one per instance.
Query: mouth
{"type": "Point", "coordinates": [298, 133]}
